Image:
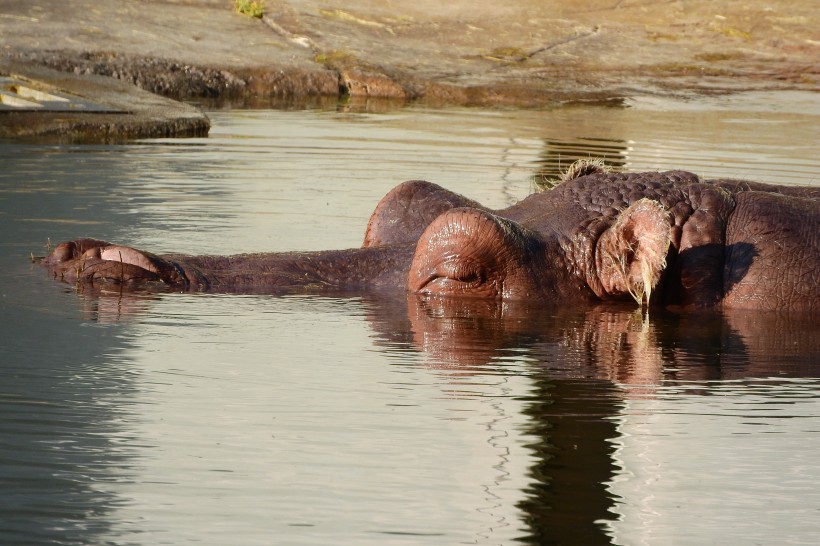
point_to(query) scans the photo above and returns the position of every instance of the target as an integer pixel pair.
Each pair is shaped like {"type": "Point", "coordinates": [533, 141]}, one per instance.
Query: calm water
{"type": "Point", "coordinates": [210, 419]}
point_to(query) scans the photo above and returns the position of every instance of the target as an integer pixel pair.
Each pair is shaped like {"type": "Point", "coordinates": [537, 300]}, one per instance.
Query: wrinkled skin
{"type": "Point", "coordinates": [667, 238]}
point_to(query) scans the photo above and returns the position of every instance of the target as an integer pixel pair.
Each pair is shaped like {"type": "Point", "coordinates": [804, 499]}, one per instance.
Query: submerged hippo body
{"type": "Point", "coordinates": [665, 238]}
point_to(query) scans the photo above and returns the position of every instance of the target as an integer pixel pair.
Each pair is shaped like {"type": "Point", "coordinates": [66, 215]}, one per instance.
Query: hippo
{"type": "Point", "coordinates": [669, 239]}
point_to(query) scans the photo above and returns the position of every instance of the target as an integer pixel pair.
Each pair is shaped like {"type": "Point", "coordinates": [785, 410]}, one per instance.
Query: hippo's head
{"type": "Point", "coordinates": [598, 236]}
{"type": "Point", "coordinates": [474, 253]}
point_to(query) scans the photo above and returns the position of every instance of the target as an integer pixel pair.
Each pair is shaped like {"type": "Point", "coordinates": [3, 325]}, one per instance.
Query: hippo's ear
{"type": "Point", "coordinates": [405, 212]}
{"type": "Point", "coordinates": [631, 254]}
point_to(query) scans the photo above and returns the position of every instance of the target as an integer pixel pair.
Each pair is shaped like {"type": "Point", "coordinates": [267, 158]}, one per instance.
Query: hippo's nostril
{"type": "Point", "coordinates": [92, 252]}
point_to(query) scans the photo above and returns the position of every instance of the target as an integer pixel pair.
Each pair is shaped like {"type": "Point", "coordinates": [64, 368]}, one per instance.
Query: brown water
{"type": "Point", "coordinates": [212, 419]}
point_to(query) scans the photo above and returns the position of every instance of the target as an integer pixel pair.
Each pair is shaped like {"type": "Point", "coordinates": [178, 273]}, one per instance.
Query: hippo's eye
{"type": "Point", "coordinates": [458, 276]}
{"type": "Point", "coordinates": [464, 271]}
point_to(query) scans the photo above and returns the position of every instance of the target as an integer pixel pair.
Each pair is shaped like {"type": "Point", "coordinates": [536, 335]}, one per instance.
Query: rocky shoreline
{"type": "Point", "coordinates": [524, 53]}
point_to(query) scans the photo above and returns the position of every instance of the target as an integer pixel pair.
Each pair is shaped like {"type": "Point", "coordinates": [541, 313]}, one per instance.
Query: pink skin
{"type": "Point", "coordinates": [666, 238]}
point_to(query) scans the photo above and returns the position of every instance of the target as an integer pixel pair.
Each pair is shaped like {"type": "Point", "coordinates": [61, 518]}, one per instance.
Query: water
{"type": "Point", "coordinates": [184, 418]}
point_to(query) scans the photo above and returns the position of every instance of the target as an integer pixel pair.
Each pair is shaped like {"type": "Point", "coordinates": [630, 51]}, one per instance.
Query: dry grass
{"type": "Point", "coordinates": [582, 167]}
{"type": "Point", "coordinates": [251, 8]}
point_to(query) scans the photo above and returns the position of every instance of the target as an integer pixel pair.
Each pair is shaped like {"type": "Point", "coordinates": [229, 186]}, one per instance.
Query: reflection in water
{"type": "Point", "coordinates": [179, 418]}
{"type": "Point", "coordinates": [557, 156]}
{"type": "Point", "coordinates": [549, 389]}
{"type": "Point", "coordinates": [568, 499]}
{"type": "Point", "coordinates": [63, 448]}
{"type": "Point", "coordinates": [614, 341]}
{"type": "Point", "coordinates": [585, 365]}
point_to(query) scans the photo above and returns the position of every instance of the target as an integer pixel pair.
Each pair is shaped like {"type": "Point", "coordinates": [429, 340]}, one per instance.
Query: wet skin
{"type": "Point", "coordinates": [667, 238]}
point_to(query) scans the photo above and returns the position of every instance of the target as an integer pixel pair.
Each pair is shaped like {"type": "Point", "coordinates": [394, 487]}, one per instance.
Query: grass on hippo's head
{"type": "Point", "coordinates": [251, 8]}
{"type": "Point", "coordinates": [579, 168]}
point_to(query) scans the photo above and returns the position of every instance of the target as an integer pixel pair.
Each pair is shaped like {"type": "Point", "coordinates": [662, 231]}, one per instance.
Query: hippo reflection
{"type": "Point", "coordinates": [662, 238]}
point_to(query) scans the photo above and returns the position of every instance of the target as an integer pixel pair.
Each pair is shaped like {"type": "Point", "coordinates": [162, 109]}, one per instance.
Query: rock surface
{"type": "Point", "coordinates": [477, 52]}
{"type": "Point", "coordinates": [87, 108]}
{"type": "Point", "coordinates": [519, 51]}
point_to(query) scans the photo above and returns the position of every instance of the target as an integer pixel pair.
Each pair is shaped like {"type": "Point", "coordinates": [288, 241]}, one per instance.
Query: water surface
{"type": "Point", "coordinates": [181, 418]}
